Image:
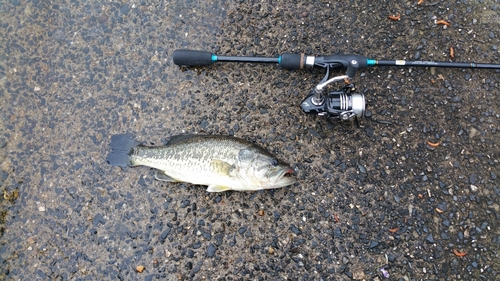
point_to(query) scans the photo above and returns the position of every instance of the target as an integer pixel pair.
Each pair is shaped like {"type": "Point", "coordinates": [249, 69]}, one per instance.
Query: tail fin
{"type": "Point", "coordinates": [121, 148]}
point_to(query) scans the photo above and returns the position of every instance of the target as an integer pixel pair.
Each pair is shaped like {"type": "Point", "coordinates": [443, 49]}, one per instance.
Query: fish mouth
{"type": "Point", "coordinates": [283, 177]}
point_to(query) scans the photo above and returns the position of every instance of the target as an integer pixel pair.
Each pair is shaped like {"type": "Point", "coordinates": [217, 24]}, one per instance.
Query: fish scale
{"type": "Point", "coordinates": [180, 161]}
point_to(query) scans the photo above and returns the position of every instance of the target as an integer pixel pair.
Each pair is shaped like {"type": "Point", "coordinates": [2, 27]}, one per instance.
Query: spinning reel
{"type": "Point", "coordinates": [341, 105]}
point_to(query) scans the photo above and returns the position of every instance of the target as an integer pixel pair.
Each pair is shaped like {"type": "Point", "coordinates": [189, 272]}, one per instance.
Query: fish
{"type": "Point", "coordinates": [220, 162]}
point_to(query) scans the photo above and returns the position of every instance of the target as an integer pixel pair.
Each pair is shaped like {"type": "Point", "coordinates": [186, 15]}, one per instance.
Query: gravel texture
{"type": "Point", "coordinates": [372, 203]}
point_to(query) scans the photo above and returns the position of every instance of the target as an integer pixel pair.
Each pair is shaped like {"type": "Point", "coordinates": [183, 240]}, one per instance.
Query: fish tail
{"type": "Point", "coordinates": [121, 148]}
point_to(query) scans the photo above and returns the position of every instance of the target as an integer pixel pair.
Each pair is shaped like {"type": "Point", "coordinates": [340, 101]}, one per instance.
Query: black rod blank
{"type": "Point", "coordinates": [436, 64]}
{"type": "Point", "coordinates": [247, 59]}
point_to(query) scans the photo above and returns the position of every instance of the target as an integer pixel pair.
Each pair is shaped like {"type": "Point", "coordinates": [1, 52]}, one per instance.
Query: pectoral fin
{"type": "Point", "coordinates": [222, 167]}
{"type": "Point", "coordinates": [217, 188]}
{"type": "Point", "coordinates": [160, 175]}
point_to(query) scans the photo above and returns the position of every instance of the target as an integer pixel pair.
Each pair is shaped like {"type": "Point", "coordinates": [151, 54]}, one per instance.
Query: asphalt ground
{"type": "Point", "coordinates": [410, 194]}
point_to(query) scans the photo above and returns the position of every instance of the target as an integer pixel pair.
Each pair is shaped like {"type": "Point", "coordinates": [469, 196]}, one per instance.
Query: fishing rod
{"type": "Point", "coordinates": [342, 104]}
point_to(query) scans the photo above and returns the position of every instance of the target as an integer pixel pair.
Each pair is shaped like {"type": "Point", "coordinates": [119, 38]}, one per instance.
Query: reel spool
{"type": "Point", "coordinates": [340, 105]}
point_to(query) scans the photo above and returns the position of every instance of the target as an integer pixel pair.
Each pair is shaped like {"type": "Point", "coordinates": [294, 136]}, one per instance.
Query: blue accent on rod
{"type": "Point", "coordinates": [370, 62]}
{"type": "Point", "coordinates": [279, 60]}
{"type": "Point", "coordinates": [214, 58]}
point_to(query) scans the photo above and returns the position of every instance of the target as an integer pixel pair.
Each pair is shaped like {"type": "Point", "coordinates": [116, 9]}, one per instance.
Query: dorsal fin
{"type": "Point", "coordinates": [182, 138]}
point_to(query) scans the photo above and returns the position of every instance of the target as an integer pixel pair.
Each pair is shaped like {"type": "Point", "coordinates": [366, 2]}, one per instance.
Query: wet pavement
{"type": "Point", "coordinates": [412, 194]}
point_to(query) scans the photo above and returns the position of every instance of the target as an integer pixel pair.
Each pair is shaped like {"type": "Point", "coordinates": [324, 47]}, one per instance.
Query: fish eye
{"type": "Point", "coordinates": [274, 162]}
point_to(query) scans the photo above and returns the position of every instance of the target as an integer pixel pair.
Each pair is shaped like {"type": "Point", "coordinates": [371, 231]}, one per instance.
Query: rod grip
{"type": "Point", "coordinates": [192, 57]}
{"type": "Point", "coordinates": [292, 61]}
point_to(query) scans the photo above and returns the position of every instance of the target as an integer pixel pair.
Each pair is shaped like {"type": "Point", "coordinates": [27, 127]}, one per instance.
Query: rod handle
{"type": "Point", "coordinates": [193, 58]}
{"type": "Point", "coordinates": [292, 61]}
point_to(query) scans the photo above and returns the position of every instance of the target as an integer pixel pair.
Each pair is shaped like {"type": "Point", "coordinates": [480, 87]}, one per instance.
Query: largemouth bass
{"type": "Point", "coordinates": [221, 162]}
